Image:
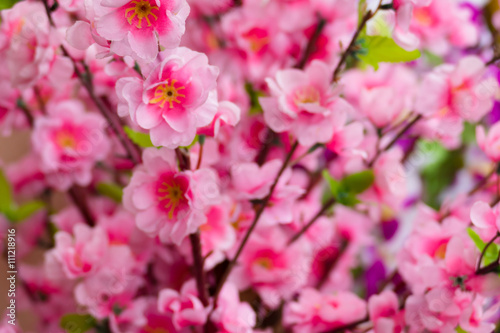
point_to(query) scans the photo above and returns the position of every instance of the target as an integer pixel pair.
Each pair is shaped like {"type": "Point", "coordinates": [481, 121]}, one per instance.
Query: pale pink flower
{"type": "Point", "coordinates": [231, 315]}
{"type": "Point", "coordinates": [317, 312]}
{"type": "Point", "coordinates": [272, 267]}
{"type": "Point", "coordinates": [185, 307]}
{"type": "Point", "coordinates": [81, 254]}
{"type": "Point", "coordinates": [178, 97]}
{"type": "Point", "coordinates": [384, 313]}
{"type": "Point", "coordinates": [485, 217]}
{"type": "Point", "coordinates": [384, 96]}
{"type": "Point", "coordinates": [139, 28]}
{"type": "Point", "coordinates": [489, 143]}
{"type": "Point", "coordinates": [304, 104]}
{"type": "Point", "coordinates": [253, 182]}
{"type": "Point", "coordinates": [69, 142]}
{"type": "Point", "coordinates": [167, 202]}
{"type": "Point", "coordinates": [457, 91]}
{"type": "Point", "coordinates": [29, 46]}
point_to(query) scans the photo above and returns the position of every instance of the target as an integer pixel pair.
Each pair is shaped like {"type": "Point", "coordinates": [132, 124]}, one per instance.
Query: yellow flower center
{"type": "Point", "coordinates": [150, 329]}
{"type": "Point", "coordinates": [66, 140]}
{"type": "Point", "coordinates": [165, 93]}
{"type": "Point", "coordinates": [264, 262]}
{"type": "Point", "coordinates": [173, 195]}
{"type": "Point", "coordinates": [142, 10]}
{"type": "Point", "coordinates": [307, 95]}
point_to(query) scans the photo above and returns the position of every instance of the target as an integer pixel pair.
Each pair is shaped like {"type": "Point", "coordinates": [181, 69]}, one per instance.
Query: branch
{"type": "Point", "coordinates": [311, 43]}
{"type": "Point", "coordinates": [493, 265]}
{"type": "Point", "coordinates": [396, 138]}
{"type": "Point", "coordinates": [322, 211]}
{"type": "Point", "coordinates": [369, 14]}
{"type": "Point", "coordinates": [493, 60]}
{"type": "Point", "coordinates": [132, 149]}
{"type": "Point", "coordinates": [198, 262]}
{"type": "Point", "coordinates": [258, 213]}
{"type": "Point", "coordinates": [81, 203]}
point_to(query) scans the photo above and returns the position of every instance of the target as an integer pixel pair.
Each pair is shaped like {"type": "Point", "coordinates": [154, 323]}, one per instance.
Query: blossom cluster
{"type": "Point", "coordinates": [249, 166]}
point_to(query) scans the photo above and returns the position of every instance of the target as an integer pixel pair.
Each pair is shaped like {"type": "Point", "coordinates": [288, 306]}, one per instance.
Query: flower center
{"type": "Point", "coordinates": [142, 10]}
{"type": "Point", "coordinates": [165, 93]}
{"type": "Point", "coordinates": [173, 196]}
{"type": "Point", "coordinates": [307, 95]}
{"type": "Point", "coordinates": [66, 140]}
{"type": "Point", "coordinates": [150, 329]}
{"type": "Point", "coordinates": [264, 262]}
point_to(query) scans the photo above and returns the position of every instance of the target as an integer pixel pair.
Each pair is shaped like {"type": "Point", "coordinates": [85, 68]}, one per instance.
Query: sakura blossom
{"type": "Point", "coordinates": [242, 166]}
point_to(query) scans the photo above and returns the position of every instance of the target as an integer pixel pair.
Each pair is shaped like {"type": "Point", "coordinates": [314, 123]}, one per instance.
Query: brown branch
{"type": "Point", "coordinates": [81, 203]}
{"type": "Point", "coordinates": [132, 150]}
{"type": "Point", "coordinates": [198, 262]}
{"type": "Point", "coordinates": [258, 213]}
{"type": "Point", "coordinates": [493, 265]}
{"type": "Point", "coordinates": [311, 43]}
{"type": "Point", "coordinates": [395, 139]}
{"type": "Point", "coordinates": [493, 60]}
{"type": "Point", "coordinates": [322, 211]}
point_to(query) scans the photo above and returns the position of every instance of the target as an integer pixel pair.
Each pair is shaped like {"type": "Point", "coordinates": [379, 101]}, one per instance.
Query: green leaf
{"type": "Point", "coordinates": [361, 10]}
{"type": "Point", "coordinates": [6, 4]}
{"type": "Point", "coordinates": [110, 190]}
{"type": "Point", "coordinates": [254, 95]}
{"type": "Point", "coordinates": [358, 182]}
{"type": "Point", "coordinates": [76, 323]}
{"type": "Point", "coordinates": [5, 194]}
{"type": "Point", "coordinates": [383, 49]}
{"type": "Point", "coordinates": [433, 59]}
{"type": "Point", "coordinates": [24, 211]}
{"type": "Point", "coordinates": [469, 133]}
{"type": "Point", "coordinates": [491, 254]}
{"type": "Point", "coordinates": [140, 139]}
{"type": "Point", "coordinates": [440, 172]}
{"type": "Point", "coordinates": [340, 192]}
{"type": "Point", "coordinates": [333, 183]}
{"type": "Point", "coordinates": [460, 330]}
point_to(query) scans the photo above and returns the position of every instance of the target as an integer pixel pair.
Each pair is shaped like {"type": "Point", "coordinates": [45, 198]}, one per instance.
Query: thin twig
{"type": "Point", "coordinates": [493, 60]}
{"type": "Point", "coordinates": [311, 43]}
{"type": "Point", "coordinates": [132, 150]}
{"type": "Point", "coordinates": [368, 15]}
{"type": "Point", "coordinates": [395, 139]}
{"type": "Point", "coordinates": [198, 262]}
{"type": "Point", "coordinates": [258, 214]}
{"type": "Point", "coordinates": [81, 203]}
{"type": "Point", "coordinates": [478, 268]}
{"type": "Point", "coordinates": [320, 213]}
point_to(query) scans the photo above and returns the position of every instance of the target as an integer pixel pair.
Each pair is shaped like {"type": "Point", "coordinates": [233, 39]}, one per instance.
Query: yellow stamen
{"type": "Point", "coordinates": [142, 9]}
{"type": "Point", "coordinates": [174, 194]}
{"type": "Point", "coordinates": [165, 93]}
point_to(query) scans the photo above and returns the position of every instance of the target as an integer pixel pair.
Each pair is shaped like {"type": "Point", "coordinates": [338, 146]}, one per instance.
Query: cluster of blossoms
{"type": "Point", "coordinates": [251, 166]}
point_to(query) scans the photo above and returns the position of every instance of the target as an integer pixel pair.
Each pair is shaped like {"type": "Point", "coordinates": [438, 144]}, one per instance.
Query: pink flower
{"type": "Point", "coordinates": [485, 217]}
{"type": "Point", "coordinates": [273, 268]}
{"type": "Point", "coordinates": [384, 313]}
{"type": "Point", "coordinates": [217, 234]}
{"type": "Point", "coordinates": [185, 307]}
{"type": "Point", "coordinates": [178, 97]}
{"type": "Point", "coordinates": [435, 25]}
{"type": "Point", "coordinates": [318, 312]}
{"type": "Point", "coordinates": [489, 143]}
{"type": "Point", "coordinates": [69, 142]}
{"type": "Point", "coordinates": [253, 182]}
{"type": "Point", "coordinates": [384, 96]}
{"type": "Point", "coordinates": [231, 315]}
{"type": "Point", "coordinates": [28, 46]}
{"type": "Point", "coordinates": [139, 27]}
{"type": "Point", "coordinates": [80, 255]}
{"type": "Point", "coordinates": [167, 202]}
{"type": "Point", "coordinates": [457, 91]}
{"type": "Point", "coordinates": [303, 103]}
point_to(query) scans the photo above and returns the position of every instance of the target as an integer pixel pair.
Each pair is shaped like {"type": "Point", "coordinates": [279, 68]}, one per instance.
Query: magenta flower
{"type": "Point", "coordinates": [69, 142]}
{"type": "Point", "coordinates": [303, 103]}
{"type": "Point", "coordinates": [166, 202]}
{"type": "Point", "coordinates": [139, 27]}
{"type": "Point", "coordinates": [178, 97]}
